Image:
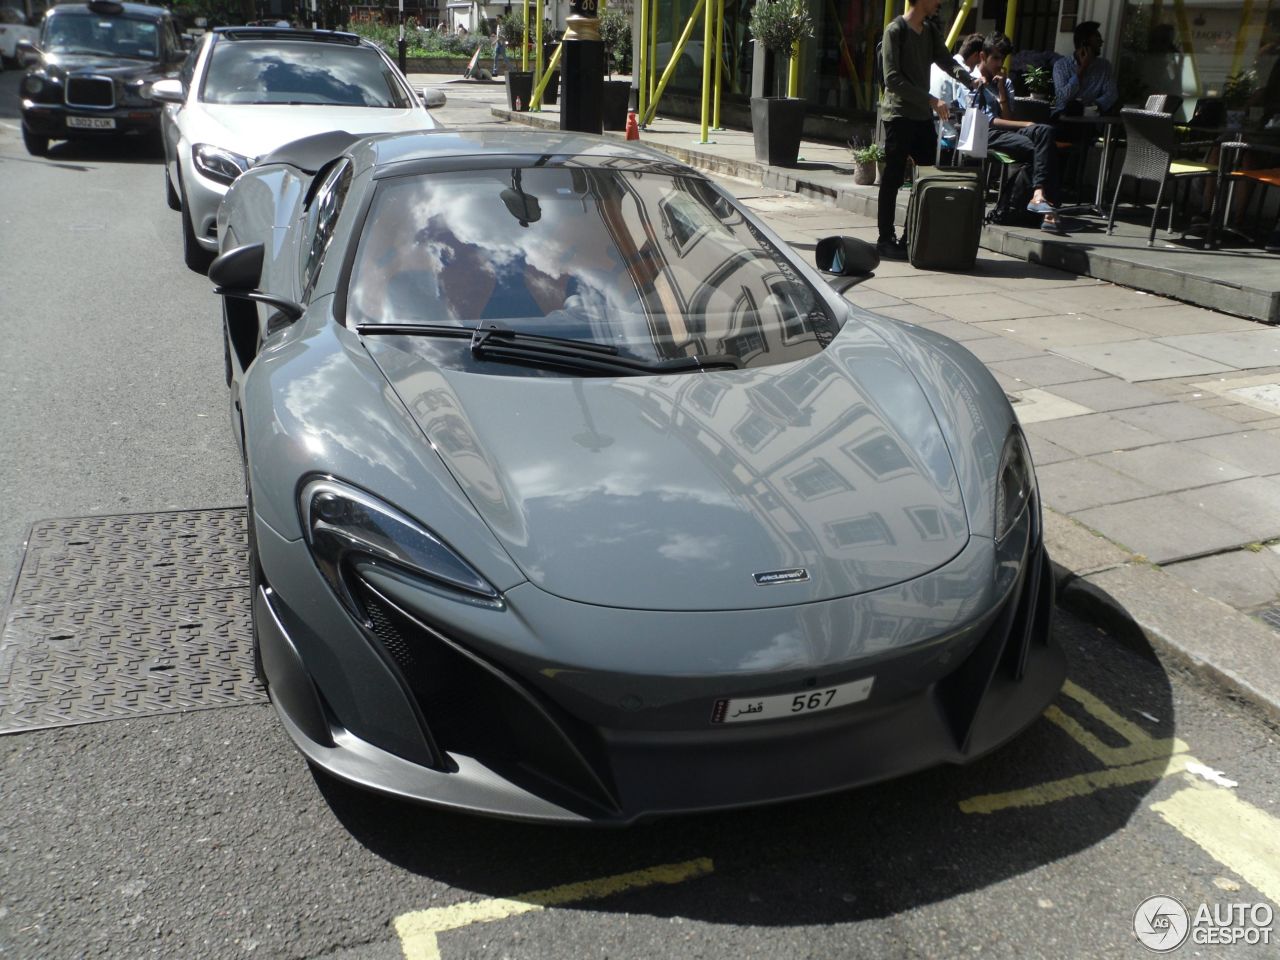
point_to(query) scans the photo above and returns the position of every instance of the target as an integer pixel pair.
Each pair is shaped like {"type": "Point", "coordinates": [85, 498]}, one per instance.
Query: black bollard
{"type": "Point", "coordinates": [582, 79]}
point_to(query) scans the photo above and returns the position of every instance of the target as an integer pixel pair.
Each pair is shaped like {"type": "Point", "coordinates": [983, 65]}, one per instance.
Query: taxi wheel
{"type": "Point", "coordinates": [196, 257]}
{"type": "Point", "coordinates": [37, 146]}
{"type": "Point", "coordinates": [171, 195]}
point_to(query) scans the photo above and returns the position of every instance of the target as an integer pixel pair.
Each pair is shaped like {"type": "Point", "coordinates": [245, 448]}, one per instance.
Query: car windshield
{"type": "Point", "coordinates": [105, 35]}
{"type": "Point", "coordinates": [657, 264]}
{"type": "Point", "coordinates": [296, 72]}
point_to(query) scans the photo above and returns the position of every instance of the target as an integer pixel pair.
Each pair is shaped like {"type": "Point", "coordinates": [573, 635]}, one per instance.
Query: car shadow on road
{"type": "Point", "coordinates": [865, 853]}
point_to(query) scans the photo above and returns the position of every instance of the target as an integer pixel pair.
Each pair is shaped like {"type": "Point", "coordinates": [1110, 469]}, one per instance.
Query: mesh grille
{"type": "Point", "coordinates": [90, 92]}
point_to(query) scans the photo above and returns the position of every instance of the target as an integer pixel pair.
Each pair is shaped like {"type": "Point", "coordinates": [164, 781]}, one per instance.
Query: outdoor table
{"type": "Point", "coordinates": [1260, 141]}
{"type": "Point", "coordinates": [1108, 122]}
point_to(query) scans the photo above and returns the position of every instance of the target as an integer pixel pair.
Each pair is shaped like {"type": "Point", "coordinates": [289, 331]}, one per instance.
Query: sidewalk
{"type": "Point", "coordinates": [1154, 425]}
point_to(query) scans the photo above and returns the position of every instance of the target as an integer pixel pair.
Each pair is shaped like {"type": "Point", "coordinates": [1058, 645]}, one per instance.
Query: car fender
{"type": "Point", "coordinates": [315, 403]}
{"type": "Point", "coordinates": [971, 407]}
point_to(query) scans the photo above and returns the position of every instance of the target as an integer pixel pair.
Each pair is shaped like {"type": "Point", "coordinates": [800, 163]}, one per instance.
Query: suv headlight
{"type": "Point", "coordinates": [32, 84]}
{"type": "Point", "coordinates": [344, 526]}
{"type": "Point", "coordinates": [1016, 483]}
{"type": "Point", "coordinates": [221, 166]}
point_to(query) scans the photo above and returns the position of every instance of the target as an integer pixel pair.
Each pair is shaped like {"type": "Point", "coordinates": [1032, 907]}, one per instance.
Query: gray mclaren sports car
{"type": "Point", "coordinates": [574, 496]}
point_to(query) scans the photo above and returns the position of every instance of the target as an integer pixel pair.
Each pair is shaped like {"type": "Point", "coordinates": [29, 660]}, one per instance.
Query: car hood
{"type": "Point", "coordinates": [253, 130]}
{"type": "Point", "coordinates": [115, 67]}
{"type": "Point", "coordinates": [793, 483]}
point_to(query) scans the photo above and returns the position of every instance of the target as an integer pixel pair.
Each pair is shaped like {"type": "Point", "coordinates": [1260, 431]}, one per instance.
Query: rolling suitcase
{"type": "Point", "coordinates": [944, 218]}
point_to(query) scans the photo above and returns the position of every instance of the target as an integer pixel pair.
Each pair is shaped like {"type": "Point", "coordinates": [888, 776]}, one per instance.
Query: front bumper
{"type": "Point", "coordinates": [50, 120]}
{"type": "Point", "coordinates": [203, 197]}
{"type": "Point", "coordinates": [413, 711]}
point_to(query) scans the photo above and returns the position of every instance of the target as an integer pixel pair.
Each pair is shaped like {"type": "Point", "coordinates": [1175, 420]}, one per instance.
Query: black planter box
{"type": "Point", "coordinates": [519, 86]}
{"type": "Point", "coordinates": [552, 94]}
{"type": "Point", "coordinates": [616, 98]}
{"type": "Point", "coordinates": [776, 126]}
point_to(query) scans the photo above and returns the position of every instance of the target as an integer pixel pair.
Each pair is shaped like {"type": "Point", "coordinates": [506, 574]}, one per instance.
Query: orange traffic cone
{"type": "Point", "coordinates": [633, 126]}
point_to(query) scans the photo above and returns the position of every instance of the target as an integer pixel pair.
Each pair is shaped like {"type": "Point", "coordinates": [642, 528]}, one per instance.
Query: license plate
{"type": "Point", "coordinates": [812, 700]}
{"type": "Point", "coordinates": [92, 123]}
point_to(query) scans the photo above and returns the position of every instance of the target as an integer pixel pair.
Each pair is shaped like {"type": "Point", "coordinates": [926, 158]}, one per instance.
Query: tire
{"type": "Point", "coordinates": [196, 257]}
{"type": "Point", "coordinates": [36, 145]}
{"type": "Point", "coordinates": [171, 195]}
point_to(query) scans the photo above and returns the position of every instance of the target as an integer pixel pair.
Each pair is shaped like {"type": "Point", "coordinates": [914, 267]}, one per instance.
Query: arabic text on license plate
{"type": "Point", "coordinates": [781, 705]}
{"type": "Point", "coordinates": [92, 123]}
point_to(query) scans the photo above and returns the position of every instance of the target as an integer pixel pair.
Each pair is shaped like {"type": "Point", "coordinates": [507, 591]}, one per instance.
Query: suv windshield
{"type": "Point", "coordinates": [110, 36]}
{"type": "Point", "coordinates": [656, 264]}
{"type": "Point", "coordinates": [292, 71]}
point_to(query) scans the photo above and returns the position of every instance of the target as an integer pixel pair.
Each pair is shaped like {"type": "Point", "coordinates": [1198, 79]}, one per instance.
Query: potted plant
{"type": "Point", "coordinates": [866, 162]}
{"type": "Point", "coordinates": [1039, 81]}
{"type": "Point", "coordinates": [615, 32]}
{"type": "Point", "coordinates": [1237, 91]}
{"type": "Point", "coordinates": [519, 82]}
{"type": "Point", "coordinates": [777, 122]}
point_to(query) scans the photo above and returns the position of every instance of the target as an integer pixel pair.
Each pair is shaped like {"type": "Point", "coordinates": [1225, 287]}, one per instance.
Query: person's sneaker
{"type": "Point", "coordinates": [891, 250]}
{"type": "Point", "coordinates": [1273, 241]}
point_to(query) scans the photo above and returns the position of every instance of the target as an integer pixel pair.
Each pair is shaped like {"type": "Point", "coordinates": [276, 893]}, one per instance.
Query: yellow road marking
{"type": "Point", "coordinates": [418, 930]}
{"type": "Point", "coordinates": [1135, 752]}
{"type": "Point", "coordinates": [1100, 711]}
{"type": "Point", "coordinates": [1078, 786]}
{"type": "Point", "coordinates": [1233, 832]}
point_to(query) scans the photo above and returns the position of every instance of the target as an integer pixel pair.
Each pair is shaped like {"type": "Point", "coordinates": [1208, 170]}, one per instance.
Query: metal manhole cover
{"type": "Point", "coordinates": [123, 616]}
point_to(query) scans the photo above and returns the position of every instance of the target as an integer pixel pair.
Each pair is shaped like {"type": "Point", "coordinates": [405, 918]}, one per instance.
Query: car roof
{"type": "Point", "coordinates": [453, 142]}
{"type": "Point", "coordinates": [286, 33]}
{"type": "Point", "coordinates": [126, 9]}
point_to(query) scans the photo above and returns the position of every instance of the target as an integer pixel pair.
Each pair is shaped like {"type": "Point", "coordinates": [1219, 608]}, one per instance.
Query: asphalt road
{"type": "Point", "coordinates": [206, 835]}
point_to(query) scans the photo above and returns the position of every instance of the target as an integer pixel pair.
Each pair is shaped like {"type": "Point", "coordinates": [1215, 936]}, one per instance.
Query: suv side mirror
{"type": "Point", "coordinates": [27, 53]}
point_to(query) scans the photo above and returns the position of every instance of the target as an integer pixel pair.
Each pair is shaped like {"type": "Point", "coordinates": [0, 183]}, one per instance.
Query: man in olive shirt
{"type": "Point", "coordinates": [911, 44]}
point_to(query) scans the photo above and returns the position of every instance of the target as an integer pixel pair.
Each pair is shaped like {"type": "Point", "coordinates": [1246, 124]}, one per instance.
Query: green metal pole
{"type": "Point", "coordinates": [535, 101]}
{"type": "Point", "coordinates": [954, 33]}
{"type": "Point", "coordinates": [653, 51]}
{"type": "Point", "coordinates": [675, 58]}
{"type": "Point", "coordinates": [1242, 37]}
{"type": "Point", "coordinates": [793, 71]}
{"type": "Point", "coordinates": [715, 120]}
{"type": "Point", "coordinates": [1010, 22]}
{"type": "Point", "coordinates": [708, 57]}
{"type": "Point", "coordinates": [642, 59]}
{"type": "Point", "coordinates": [524, 40]}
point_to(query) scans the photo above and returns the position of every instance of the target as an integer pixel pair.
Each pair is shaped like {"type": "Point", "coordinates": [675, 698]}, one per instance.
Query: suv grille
{"type": "Point", "coordinates": [90, 92]}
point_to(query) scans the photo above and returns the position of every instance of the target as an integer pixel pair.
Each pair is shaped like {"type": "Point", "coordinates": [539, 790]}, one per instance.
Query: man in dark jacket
{"type": "Point", "coordinates": [911, 44]}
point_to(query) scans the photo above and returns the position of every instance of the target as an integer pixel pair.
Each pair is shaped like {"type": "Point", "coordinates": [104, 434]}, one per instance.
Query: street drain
{"type": "Point", "coordinates": [1270, 615]}
{"type": "Point", "coordinates": [125, 616]}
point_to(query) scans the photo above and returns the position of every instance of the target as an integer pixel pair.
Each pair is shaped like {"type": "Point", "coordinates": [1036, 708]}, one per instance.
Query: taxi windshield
{"type": "Point", "coordinates": [110, 36]}
{"type": "Point", "coordinates": [656, 264]}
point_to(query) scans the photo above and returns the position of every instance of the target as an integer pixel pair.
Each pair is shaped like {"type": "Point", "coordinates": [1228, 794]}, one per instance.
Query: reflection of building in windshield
{"type": "Point", "coordinates": [660, 266]}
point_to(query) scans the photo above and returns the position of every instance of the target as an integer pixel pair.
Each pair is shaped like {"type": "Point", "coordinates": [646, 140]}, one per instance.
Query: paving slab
{"type": "Point", "coordinates": [1077, 549]}
{"type": "Point", "coordinates": [1165, 528]}
{"type": "Point", "coordinates": [1094, 433]}
{"type": "Point", "coordinates": [994, 349]}
{"type": "Point", "coordinates": [1178, 421]}
{"type": "Point", "coordinates": [1244, 350]}
{"type": "Point", "coordinates": [1046, 370]}
{"type": "Point", "coordinates": [1037, 405]}
{"type": "Point", "coordinates": [1242, 578]}
{"type": "Point", "coordinates": [1170, 467]}
{"type": "Point", "coordinates": [1074, 485]}
{"type": "Point", "coordinates": [1045, 452]}
{"type": "Point", "coordinates": [1090, 299]}
{"type": "Point", "coordinates": [1110, 393]}
{"type": "Point", "coordinates": [1179, 318]}
{"type": "Point", "coordinates": [1052, 331]}
{"type": "Point", "coordinates": [931, 285]}
{"type": "Point", "coordinates": [1255, 451]}
{"type": "Point", "coordinates": [1254, 502]}
{"type": "Point", "coordinates": [871, 299]}
{"type": "Point", "coordinates": [960, 332]}
{"type": "Point", "coordinates": [1137, 360]}
{"type": "Point", "coordinates": [983, 306]}
{"type": "Point", "coordinates": [914, 314]}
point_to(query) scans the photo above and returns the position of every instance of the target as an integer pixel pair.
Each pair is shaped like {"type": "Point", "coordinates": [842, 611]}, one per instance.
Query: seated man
{"type": "Point", "coordinates": [1084, 79]}
{"type": "Point", "coordinates": [1020, 139]}
{"type": "Point", "coordinates": [949, 90]}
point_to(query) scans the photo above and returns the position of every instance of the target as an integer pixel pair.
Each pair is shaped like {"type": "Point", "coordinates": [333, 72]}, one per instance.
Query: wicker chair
{"type": "Point", "coordinates": [1151, 144]}
{"type": "Point", "coordinates": [1032, 109]}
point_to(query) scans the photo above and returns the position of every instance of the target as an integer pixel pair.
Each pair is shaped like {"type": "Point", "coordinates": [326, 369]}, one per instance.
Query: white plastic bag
{"type": "Point", "coordinates": [973, 133]}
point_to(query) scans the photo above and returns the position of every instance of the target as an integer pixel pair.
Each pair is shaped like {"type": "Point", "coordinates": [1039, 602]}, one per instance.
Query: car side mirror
{"type": "Point", "coordinates": [431, 98]}
{"type": "Point", "coordinates": [846, 256]}
{"type": "Point", "coordinates": [27, 53]}
{"type": "Point", "coordinates": [238, 272]}
{"type": "Point", "coordinates": [187, 41]}
{"type": "Point", "coordinates": [168, 90]}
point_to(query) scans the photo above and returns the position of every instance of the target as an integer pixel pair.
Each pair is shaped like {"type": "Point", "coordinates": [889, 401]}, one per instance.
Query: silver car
{"type": "Point", "coordinates": [575, 496]}
{"type": "Point", "coordinates": [247, 90]}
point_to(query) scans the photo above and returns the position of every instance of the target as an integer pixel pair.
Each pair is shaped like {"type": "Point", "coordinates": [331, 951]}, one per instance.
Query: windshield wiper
{"type": "Point", "coordinates": [504, 345]}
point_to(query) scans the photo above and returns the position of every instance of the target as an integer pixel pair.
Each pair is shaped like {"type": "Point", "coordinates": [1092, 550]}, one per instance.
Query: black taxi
{"type": "Point", "coordinates": [91, 72]}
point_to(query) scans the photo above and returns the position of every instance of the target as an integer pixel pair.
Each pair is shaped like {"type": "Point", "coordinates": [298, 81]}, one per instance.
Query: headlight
{"type": "Point", "coordinates": [344, 525]}
{"type": "Point", "coordinates": [138, 90]}
{"type": "Point", "coordinates": [217, 164]}
{"type": "Point", "coordinates": [1017, 483]}
{"type": "Point", "coordinates": [31, 85]}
